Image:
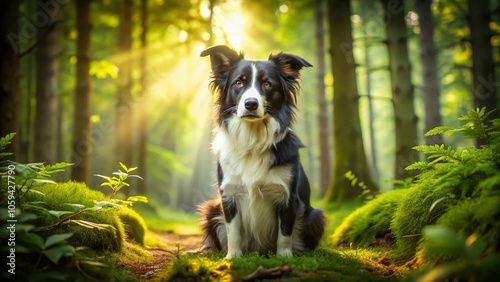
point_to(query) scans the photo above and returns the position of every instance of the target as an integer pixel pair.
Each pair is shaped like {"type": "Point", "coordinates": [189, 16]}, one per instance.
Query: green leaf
{"type": "Point", "coordinates": [103, 176]}
{"type": "Point", "coordinates": [436, 202]}
{"type": "Point", "coordinates": [58, 214]}
{"type": "Point", "coordinates": [123, 166]}
{"type": "Point", "coordinates": [143, 199]}
{"type": "Point", "coordinates": [55, 253]}
{"type": "Point", "coordinates": [56, 239]}
{"type": "Point", "coordinates": [44, 181]}
{"type": "Point", "coordinates": [76, 207]}
{"type": "Point", "coordinates": [437, 130]}
{"type": "Point", "coordinates": [32, 238]}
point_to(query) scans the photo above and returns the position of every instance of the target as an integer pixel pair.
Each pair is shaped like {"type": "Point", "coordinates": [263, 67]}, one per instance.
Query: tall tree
{"type": "Point", "coordinates": [47, 88]}
{"type": "Point", "coordinates": [402, 88]}
{"type": "Point", "coordinates": [430, 82]}
{"type": "Point", "coordinates": [324, 148]}
{"type": "Point", "coordinates": [9, 71]}
{"type": "Point", "coordinates": [483, 67]}
{"type": "Point", "coordinates": [123, 118]}
{"type": "Point", "coordinates": [81, 144]}
{"type": "Point", "coordinates": [348, 141]}
{"type": "Point", "coordinates": [143, 106]}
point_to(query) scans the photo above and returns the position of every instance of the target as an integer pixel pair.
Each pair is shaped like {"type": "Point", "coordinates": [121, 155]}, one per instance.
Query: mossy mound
{"type": "Point", "coordinates": [480, 217]}
{"type": "Point", "coordinates": [61, 197]}
{"type": "Point", "coordinates": [135, 227]}
{"type": "Point", "coordinates": [413, 212]}
{"type": "Point", "coordinates": [369, 222]}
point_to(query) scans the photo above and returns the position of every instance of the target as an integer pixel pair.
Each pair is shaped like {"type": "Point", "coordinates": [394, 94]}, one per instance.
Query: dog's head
{"type": "Point", "coordinates": [252, 90]}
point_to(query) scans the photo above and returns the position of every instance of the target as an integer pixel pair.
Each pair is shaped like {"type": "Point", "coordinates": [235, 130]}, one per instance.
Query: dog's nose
{"type": "Point", "coordinates": [251, 104]}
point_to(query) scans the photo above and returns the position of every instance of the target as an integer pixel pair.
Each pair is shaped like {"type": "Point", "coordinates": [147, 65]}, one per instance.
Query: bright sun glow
{"type": "Point", "coordinates": [229, 24]}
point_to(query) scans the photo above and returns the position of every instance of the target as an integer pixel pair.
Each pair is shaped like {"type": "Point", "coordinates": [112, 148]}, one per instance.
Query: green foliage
{"type": "Point", "coordinates": [370, 222]}
{"type": "Point", "coordinates": [469, 260]}
{"type": "Point", "coordinates": [367, 194]}
{"type": "Point", "coordinates": [4, 141]}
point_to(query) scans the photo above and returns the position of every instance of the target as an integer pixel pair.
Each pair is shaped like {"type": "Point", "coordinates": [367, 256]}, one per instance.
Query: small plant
{"type": "Point", "coordinates": [118, 182]}
{"type": "Point", "coordinates": [366, 194]}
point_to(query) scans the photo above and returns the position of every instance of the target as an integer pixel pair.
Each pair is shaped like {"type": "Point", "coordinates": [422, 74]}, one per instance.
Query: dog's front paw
{"type": "Point", "coordinates": [285, 252]}
{"type": "Point", "coordinates": [233, 254]}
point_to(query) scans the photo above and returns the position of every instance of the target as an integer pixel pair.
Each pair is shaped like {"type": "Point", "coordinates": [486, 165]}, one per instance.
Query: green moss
{"type": "Point", "coordinates": [479, 216]}
{"type": "Point", "coordinates": [134, 224]}
{"type": "Point", "coordinates": [369, 222]}
{"type": "Point", "coordinates": [413, 213]}
{"type": "Point", "coordinates": [58, 197]}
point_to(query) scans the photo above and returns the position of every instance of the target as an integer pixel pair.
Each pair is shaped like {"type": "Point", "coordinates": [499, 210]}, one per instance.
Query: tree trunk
{"type": "Point", "coordinates": [81, 145]}
{"type": "Point", "coordinates": [124, 96]}
{"type": "Point", "coordinates": [483, 67]}
{"type": "Point", "coordinates": [47, 87]}
{"type": "Point", "coordinates": [348, 141]}
{"type": "Point", "coordinates": [9, 73]}
{"type": "Point", "coordinates": [324, 149]}
{"type": "Point", "coordinates": [402, 89]}
{"type": "Point", "coordinates": [430, 82]}
{"type": "Point", "coordinates": [143, 105]}
{"type": "Point", "coordinates": [366, 8]}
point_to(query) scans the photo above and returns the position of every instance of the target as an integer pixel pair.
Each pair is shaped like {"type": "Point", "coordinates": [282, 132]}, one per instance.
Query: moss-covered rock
{"type": "Point", "coordinates": [61, 197]}
{"type": "Point", "coordinates": [480, 216]}
{"type": "Point", "coordinates": [135, 227]}
{"type": "Point", "coordinates": [369, 222]}
{"type": "Point", "coordinates": [413, 212]}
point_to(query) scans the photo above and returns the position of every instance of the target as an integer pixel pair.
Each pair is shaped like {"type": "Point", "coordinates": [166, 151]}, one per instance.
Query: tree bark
{"type": "Point", "coordinates": [143, 105]}
{"type": "Point", "coordinates": [47, 88]}
{"type": "Point", "coordinates": [324, 148]}
{"type": "Point", "coordinates": [483, 67]}
{"type": "Point", "coordinates": [402, 88]}
{"type": "Point", "coordinates": [348, 142]}
{"type": "Point", "coordinates": [430, 82]}
{"type": "Point", "coordinates": [81, 145]}
{"type": "Point", "coordinates": [9, 73]}
{"type": "Point", "coordinates": [123, 116]}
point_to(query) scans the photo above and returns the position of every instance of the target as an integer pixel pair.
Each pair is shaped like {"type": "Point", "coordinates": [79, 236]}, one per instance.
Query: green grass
{"type": "Point", "coordinates": [316, 265]}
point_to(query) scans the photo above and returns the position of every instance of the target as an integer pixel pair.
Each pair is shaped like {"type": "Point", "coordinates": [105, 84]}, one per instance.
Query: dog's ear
{"type": "Point", "coordinates": [289, 64]}
{"type": "Point", "coordinates": [222, 58]}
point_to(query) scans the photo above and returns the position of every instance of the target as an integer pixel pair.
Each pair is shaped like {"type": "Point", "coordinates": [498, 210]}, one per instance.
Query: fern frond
{"type": "Point", "coordinates": [439, 130]}
{"type": "Point", "coordinates": [418, 166]}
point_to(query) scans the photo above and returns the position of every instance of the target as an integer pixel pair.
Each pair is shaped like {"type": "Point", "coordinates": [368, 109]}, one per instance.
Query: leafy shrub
{"type": "Point", "coordinates": [450, 177]}
{"type": "Point", "coordinates": [369, 222]}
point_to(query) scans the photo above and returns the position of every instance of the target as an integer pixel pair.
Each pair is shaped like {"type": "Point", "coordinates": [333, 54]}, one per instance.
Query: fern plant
{"type": "Point", "coordinates": [475, 170]}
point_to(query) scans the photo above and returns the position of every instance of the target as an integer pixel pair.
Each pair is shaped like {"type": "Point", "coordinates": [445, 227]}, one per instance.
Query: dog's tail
{"type": "Point", "coordinates": [210, 222]}
{"type": "Point", "coordinates": [313, 228]}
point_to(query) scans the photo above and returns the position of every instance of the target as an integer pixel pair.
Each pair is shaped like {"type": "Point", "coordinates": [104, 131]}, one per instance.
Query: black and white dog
{"type": "Point", "coordinates": [263, 203]}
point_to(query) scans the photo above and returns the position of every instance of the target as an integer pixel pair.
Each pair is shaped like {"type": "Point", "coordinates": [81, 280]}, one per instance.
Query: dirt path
{"type": "Point", "coordinates": [174, 243]}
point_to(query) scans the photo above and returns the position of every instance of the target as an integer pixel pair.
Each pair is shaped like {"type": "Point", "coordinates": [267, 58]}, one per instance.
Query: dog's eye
{"type": "Point", "coordinates": [238, 83]}
{"type": "Point", "coordinates": [266, 85]}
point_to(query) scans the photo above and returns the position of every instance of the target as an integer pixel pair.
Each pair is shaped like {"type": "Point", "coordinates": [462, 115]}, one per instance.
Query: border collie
{"type": "Point", "coordinates": [263, 202]}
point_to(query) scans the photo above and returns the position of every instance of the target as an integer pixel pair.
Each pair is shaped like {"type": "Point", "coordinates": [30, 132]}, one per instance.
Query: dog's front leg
{"type": "Point", "coordinates": [286, 223]}
{"type": "Point", "coordinates": [233, 222]}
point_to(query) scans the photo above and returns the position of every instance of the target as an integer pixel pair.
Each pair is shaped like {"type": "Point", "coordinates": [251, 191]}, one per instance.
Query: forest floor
{"type": "Point", "coordinates": [175, 244]}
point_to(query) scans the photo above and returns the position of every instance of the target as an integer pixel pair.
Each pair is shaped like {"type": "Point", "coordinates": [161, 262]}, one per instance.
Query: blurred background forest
{"type": "Point", "coordinates": [95, 83]}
